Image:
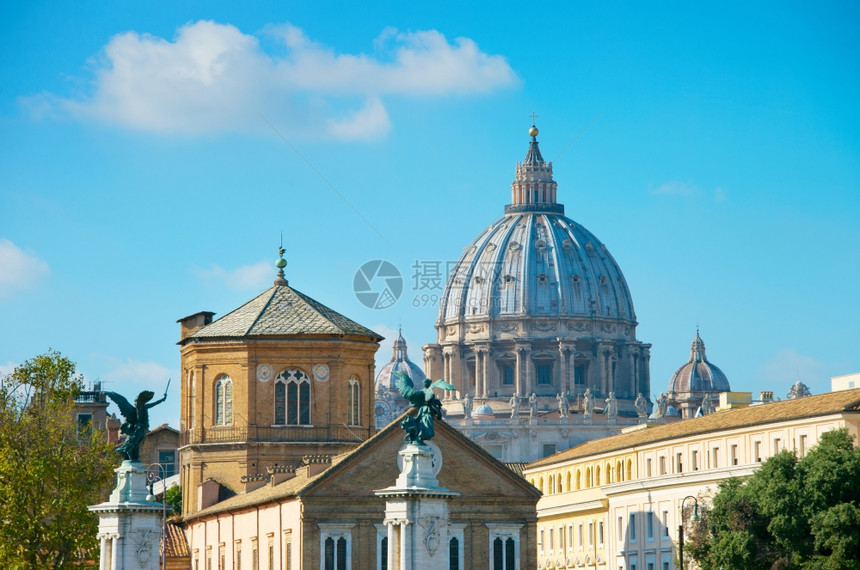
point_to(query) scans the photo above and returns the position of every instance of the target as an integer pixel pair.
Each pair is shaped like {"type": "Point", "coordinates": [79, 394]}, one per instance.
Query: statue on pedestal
{"type": "Point", "coordinates": [515, 405]}
{"type": "Point", "coordinates": [136, 424]}
{"type": "Point", "coordinates": [562, 405]}
{"type": "Point", "coordinates": [419, 428]}
{"type": "Point", "coordinates": [641, 405]}
{"type": "Point", "coordinates": [467, 406]}
{"type": "Point", "coordinates": [532, 405]}
{"type": "Point", "coordinates": [588, 403]}
{"type": "Point", "coordinates": [611, 410]}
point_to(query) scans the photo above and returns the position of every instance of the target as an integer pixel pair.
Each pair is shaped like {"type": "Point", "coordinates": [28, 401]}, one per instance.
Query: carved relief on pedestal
{"type": "Point", "coordinates": [578, 326]}
{"type": "Point", "coordinates": [430, 524]}
{"type": "Point", "coordinates": [544, 325]}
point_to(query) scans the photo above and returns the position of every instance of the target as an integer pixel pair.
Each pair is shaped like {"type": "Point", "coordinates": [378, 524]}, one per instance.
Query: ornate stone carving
{"type": "Point", "coordinates": [430, 524]}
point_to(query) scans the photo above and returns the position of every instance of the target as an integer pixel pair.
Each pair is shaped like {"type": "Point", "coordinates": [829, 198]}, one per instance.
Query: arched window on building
{"type": "Point", "coordinates": [588, 477]}
{"type": "Point", "coordinates": [354, 402]}
{"type": "Point", "coordinates": [597, 476]}
{"type": "Point", "coordinates": [618, 471]}
{"type": "Point", "coordinates": [578, 479]}
{"type": "Point", "coordinates": [292, 398]}
{"type": "Point", "coordinates": [558, 484]}
{"type": "Point", "coordinates": [629, 470]}
{"type": "Point", "coordinates": [568, 481]}
{"type": "Point", "coordinates": [223, 400]}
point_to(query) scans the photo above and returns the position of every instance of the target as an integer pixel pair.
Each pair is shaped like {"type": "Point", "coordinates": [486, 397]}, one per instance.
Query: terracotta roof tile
{"type": "Point", "coordinates": [176, 543]}
{"type": "Point", "coordinates": [811, 406]}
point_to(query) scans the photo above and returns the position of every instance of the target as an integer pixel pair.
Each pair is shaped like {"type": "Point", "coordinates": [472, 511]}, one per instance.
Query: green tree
{"type": "Point", "coordinates": [50, 468]}
{"type": "Point", "coordinates": [790, 514]}
{"type": "Point", "coordinates": [173, 499]}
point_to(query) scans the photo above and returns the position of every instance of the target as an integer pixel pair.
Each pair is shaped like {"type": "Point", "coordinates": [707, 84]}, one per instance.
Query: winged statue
{"type": "Point", "coordinates": [136, 424]}
{"type": "Point", "coordinates": [419, 428]}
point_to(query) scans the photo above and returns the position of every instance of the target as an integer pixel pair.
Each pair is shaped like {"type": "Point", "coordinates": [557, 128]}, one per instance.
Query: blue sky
{"type": "Point", "coordinates": [151, 154]}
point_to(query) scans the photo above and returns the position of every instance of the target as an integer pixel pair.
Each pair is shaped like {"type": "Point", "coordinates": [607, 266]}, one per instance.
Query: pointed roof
{"type": "Point", "coordinates": [281, 311]}
{"type": "Point", "coordinates": [533, 156]}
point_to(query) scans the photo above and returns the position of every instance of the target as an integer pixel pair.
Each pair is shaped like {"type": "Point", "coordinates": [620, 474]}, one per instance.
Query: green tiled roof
{"type": "Point", "coordinates": [282, 311]}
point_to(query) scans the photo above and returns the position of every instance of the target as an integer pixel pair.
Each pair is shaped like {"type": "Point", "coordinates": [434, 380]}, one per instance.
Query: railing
{"type": "Point", "coordinates": [90, 397]}
{"type": "Point", "coordinates": [231, 434]}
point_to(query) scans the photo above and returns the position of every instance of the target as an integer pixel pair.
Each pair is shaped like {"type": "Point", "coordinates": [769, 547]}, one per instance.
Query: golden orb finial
{"type": "Point", "coordinates": [533, 131]}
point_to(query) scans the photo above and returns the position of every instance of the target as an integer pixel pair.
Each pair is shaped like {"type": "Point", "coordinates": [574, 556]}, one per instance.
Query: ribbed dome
{"type": "Point", "coordinates": [536, 261]}
{"type": "Point", "coordinates": [698, 375]}
{"type": "Point", "coordinates": [399, 363]}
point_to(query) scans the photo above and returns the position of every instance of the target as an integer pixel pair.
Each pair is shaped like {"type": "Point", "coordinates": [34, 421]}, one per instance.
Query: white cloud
{"type": "Point", "coordinates": [148, 374]}
{"type": "Point", "coordinates": [19, 270]}
{"type": "Point", "coordinates": [6, 369]}
{"type": "Point", "coordinates": [244, 277]}
{"type": "Point", "coordinates": [788, 366]}
{"type": "Point", "coordinates": [129, 377]}
{"type": "Point", "coordinates": [214, 78]}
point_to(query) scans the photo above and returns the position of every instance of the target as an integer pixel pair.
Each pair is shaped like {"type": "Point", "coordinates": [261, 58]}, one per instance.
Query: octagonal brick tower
{"type": "Point", "coordinates": [536, 304]}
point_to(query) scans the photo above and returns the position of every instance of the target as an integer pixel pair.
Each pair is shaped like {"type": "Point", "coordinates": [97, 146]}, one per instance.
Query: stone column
{"type": "Point", "coordinates": [418, 506]}
{"type": "Point", "coordinates": [130, 518]}
{"type": "Point", "coordinates": [518, 372]}
{"type": "Point", "coordinates": [563, 369]}
{"type": "Point", "coordinates": [485, 353]}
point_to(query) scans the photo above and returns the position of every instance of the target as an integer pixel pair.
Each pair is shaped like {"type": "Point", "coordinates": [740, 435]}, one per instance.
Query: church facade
{"type": "Point", "coordinates": [537, 305]}
{"type": "Point", "coordinates": [280, 378]}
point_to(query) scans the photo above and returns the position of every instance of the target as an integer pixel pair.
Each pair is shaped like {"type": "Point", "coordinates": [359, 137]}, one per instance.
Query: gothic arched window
{"type": "Point", "coordinates": [292, 398]}
{"type": "Point", "coordinates": [354, 402]}
{"type": "Point", "coordinates": [223, 400]}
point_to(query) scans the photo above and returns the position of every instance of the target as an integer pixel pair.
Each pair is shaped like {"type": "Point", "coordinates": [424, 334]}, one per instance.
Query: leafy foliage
{"type": "Point", "coordinates": [50, 469]}
{"type": "Point", "coordinates": [173, 500]}
{"type": "Point", "coordinates": [791, 514]}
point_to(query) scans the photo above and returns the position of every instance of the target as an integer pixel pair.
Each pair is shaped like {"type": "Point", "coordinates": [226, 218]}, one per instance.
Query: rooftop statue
{"type": "Point", "coordinates": [136, 424]}
{"type": "Point", "coordinates": [641, 405]}
{"type": "Point", "coordinates": [419, 428]}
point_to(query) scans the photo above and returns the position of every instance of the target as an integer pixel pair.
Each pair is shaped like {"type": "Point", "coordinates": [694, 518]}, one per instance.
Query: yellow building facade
{"type": "Point", "coordinates": [615, 503]}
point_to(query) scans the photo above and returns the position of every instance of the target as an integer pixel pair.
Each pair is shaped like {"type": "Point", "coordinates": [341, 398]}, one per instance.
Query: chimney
{"type": "Point", "coordinates": [316, 464]}
{"type": "Point", "coordinates": [208, 493]}
{"type": "Point", "coordinates": [766, 397]}
{"type": "Point", "coordinates": [280, 473]}
{"type": "Point", "coordinates": [254, 482]}
{"type": "Point", "coordinates": [193, 323]}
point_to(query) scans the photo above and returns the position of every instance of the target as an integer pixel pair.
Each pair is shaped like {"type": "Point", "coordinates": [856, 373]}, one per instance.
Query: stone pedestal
{"type": "Point", "coordinates": [130, 523]}
{"type": "Point", "coordinates": [416, 512]}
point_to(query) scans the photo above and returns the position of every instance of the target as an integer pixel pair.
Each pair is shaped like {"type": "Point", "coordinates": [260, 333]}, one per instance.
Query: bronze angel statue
{"type": "Point", "coordinates": [136, 423]}
{"type": "Point", "coordinates": [419, 428]}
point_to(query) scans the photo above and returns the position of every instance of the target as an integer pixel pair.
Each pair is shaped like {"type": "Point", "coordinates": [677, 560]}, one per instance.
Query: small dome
{"type": "Point", "coordinates": [399, 363]}
{"type": "Point", "coordinates": [698, 375]}
{"type": "Point", "coordinates": [483, 410]}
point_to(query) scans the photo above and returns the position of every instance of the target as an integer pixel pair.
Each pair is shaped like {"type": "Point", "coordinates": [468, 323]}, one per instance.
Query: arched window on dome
{"type": "Point", "coordinates": [292, 398]}
{"type": "Point", "coordinates": [354, 401]}
{"type": "Point", "coordinates": [223, 400]}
